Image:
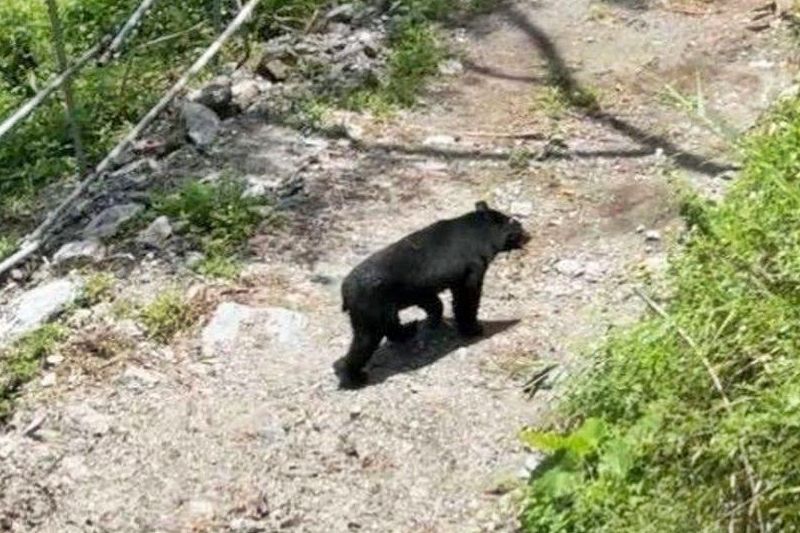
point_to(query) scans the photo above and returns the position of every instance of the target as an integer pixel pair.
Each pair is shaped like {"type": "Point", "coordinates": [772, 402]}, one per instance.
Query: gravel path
{"type": "Point", "coordinates": [242, 428]}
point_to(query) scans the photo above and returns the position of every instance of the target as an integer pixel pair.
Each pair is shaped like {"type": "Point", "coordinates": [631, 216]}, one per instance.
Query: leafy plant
{"type": "Point", "coordinates": [167, 315]}
{"type": "Point", "coordinates": [7, 246]}
{"type": "Point", "coordinates": [673, 452]}
{"type": "Point", "coordinates": [97, 288]}
{"type": "Point", "coordinates": [219, 217]}
{"type": "Point", "coordinates": [21, 362]}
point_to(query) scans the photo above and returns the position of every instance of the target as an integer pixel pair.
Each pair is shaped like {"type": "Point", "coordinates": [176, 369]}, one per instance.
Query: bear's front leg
{"type": "Point", "coordinates": [350, 369]}
{"type": "Point", "coordinates": [466, 301]}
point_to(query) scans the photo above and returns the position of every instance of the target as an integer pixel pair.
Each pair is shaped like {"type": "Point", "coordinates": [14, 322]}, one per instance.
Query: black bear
{"type": "Point", "coordinates": [450, 254]}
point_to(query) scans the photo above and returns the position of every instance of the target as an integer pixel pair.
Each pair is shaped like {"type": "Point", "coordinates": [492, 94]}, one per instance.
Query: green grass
{"type": "Point", "coordinates": [647, 443]}
{"type": "Point", "coordinates": [220, 265]}
{"type": "Point", "coordinates": [7, 246]}
{"type": "Point", "coordinates": [21, 363]}
{"type": "Point", "coordinates": [98, 287]}
{"type": "Point", "coordinates": [167, 315]}
{"type": "Point", "coordinates": [218, 219]}
{"type": "Point", "coordinates": [519, 158]}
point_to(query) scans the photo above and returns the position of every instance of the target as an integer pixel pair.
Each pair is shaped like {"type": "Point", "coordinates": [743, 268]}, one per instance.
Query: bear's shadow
{"type": "Point", "coordinates": [428, 346]}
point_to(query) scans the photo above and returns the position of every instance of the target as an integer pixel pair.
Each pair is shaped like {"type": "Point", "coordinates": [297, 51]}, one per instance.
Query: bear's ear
{"type": "Point", "coordinates": [481, 206]}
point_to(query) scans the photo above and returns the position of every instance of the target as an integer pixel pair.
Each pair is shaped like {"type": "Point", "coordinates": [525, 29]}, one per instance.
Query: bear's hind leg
{"type": "Point", "coordinates": [433, 307]}
{"type": "Point", "coordinates": [397, 331]}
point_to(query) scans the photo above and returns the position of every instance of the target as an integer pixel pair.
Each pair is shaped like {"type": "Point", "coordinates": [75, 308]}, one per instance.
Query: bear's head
{"type": "Point", "coordinates": [506, 233]}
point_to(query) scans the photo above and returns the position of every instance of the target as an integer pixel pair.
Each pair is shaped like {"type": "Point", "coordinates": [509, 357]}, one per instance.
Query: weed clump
{"type": "Point", "coordinates": [21, 362]}
{"type": "Point", "coordinates": [167, 315]}
{"type": "Point", "coordinates": [219, 218]}
{"type": "Point", "coordinates": [649, 443]}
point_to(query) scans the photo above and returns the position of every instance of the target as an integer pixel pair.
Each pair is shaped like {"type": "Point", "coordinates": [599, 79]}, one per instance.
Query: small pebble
{"type": "Point", "coordinates": [55, 360]}
{"type": "Point", "coordinates": [49, 379]}
{"type": "Point", "coordinates": [652, 235]}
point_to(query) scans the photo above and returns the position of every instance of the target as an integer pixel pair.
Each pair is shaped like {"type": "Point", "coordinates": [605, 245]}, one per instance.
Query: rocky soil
{"type": "Point", "coordinates": [238, 425]}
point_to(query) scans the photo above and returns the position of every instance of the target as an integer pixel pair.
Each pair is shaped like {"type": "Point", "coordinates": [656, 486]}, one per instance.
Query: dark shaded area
{"type": "Point", "coordinates": [446, 153]}
{"type": "Point", "coordinates": [579, 97]}
{"type": "Point", "coordinates": [638, 5]}
{"type": "Point", "coordinates": [495, 73]}
{"type": "Point", "coordinates": [429, 346]}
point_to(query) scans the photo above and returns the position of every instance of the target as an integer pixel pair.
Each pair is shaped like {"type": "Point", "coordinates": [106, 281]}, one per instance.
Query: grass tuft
{"type": "Point", "coordinates": [21, 363]}
{"type": "Point", "coordinates": [167, 315]}
{"type": "Point", "coordinates": [219, 219]}
{"type": "Point", "coordinates": [648, 444]}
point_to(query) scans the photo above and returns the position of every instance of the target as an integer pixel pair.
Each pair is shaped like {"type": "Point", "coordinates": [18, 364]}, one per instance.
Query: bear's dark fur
{"type": "Point", "coordinates": [450, 254]}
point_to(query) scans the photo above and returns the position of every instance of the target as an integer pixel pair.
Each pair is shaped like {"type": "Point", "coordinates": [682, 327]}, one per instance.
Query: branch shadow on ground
{"type": "Point", "coordinates": [428, 347]}
{"type": "Point", "coordinates": [575, 94]}
{"type": "Point", "coordinates": [491, 72]}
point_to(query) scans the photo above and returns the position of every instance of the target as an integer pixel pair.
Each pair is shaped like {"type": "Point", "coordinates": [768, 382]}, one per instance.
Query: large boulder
{"type": "Point", "coordinates": [201, 124]}
{"type": "Point", "coordinates": [233, 323]}
{"type": "Point", "coordinates": [109, 221]}
{"type": "Point", "coordinates": [36, 307]}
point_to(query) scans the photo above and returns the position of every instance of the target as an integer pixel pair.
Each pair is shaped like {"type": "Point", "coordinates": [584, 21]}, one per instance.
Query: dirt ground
{"type": "Point", "coordinates": [256, 436]}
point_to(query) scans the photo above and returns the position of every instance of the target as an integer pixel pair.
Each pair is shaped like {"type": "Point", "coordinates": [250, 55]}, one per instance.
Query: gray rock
{"type": "Point", "coordinates": [569, 267]}
{"type": "Point", "coordinates": [652, 235]}
{"type": "Point", "coordinates": [193, 259]}
{"type": "Point", "coordinates": [217, 96]}
{"type": "Point", "coordinates": [439, 140]}
{"type": "Point", "coordinates": [88, 420]}
{"type": "Point", "coordinates": [521, 208]}
{"type": "Point", "coordinates": [245, 93]}
{"type": "Point", "coordinates": [594, 271]}
{"type": "Point", "coordinates": [136, 377]}
{"type": "Point", "coordinates": [532, 461]}
{"type": "Point", "coordinates": [274, 70]}
{"type": "Point", "coordinates": [245, 525]}
{"type": "Point", "coordinates": [108, 222]}
{"type": "Point", "coordinates": [78, 253]}
{"type": "Point", "coordinates": [342, 13]}
{"type": "Point", "coordinates": [337, 33]}
{"type": "Point", "coordinates": [36, 307]}
{"type": "Point", "coordinates": [369, 41]}
{"type": "Point", "coordinates": [261, 186]}
{"type": "Point", "coordinates": [201, 124]}
{"type": "Point", "coordinates": [55, 360]}
{"type": "Point", "coordinates": [451, 67]}
{"type": "Point", "coordinates": [200, 509]}
{"type": "Point", "coordinates": [156, 234]}
{"type": "Point", "coordinates": [49, 379]}
{"type": "Point", "coordinates": [232, 321]}
{"type": "Point", "coordinates": [222, 331]}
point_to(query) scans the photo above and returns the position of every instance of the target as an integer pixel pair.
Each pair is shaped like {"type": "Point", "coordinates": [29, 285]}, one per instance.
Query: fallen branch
{"type": "Point", "coordinates": [532, 386]}
{"type": "Point", "coordinates": [755, 485]}
{"type": "Point", "coordinates": [135, 18]}
{"type": "Point", "coordinates": [33, 242]}
{"type": "Point", "coordinates": [54, 84]}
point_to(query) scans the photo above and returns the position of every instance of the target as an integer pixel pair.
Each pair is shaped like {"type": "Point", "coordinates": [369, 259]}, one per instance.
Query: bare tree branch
{"type": "Point", "coordinates": [34, 241]}
{"type": "Point", "coordinates": [126, 29]}
{"type": "Point", "coordinates": [54, 84]}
